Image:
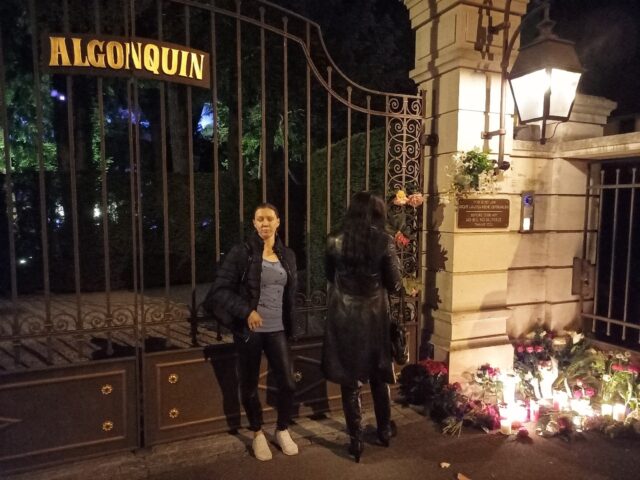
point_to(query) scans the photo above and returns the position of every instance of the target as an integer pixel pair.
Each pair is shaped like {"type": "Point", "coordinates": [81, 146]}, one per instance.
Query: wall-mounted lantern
{"type": "Point", "coordinates": [544, 77]}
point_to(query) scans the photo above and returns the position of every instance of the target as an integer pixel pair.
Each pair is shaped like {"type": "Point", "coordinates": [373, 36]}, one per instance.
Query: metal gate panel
{"type": "Point", "coordinates": [607, 276]}
{"type": "Point", "coordinates": [194, 392]}
{"type": "Point", "coordinates": [67, 413]}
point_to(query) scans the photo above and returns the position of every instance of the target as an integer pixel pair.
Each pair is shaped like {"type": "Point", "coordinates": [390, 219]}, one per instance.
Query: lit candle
{"type": "Point", "coordinates": [520, 413]}
{"type": "Point", "coordinates": [606, 409]}
{"type": "Point", "coordinates": [580, 406]}
{"type": "Point", "coordinates": [534, 411]}
{"type": "Point", "coordinates": [619, 412]}
{"type": "Point", "coordinates": [577, 421]}
{"type": "Point", "coordinates": [546, 384]}
{"type": "Point", "coordinates": [560, 400]}
{"type": "Point", "coordinates": [505, 426]}
{"type": "Point", "coordinates": [509, 388]}
{"type": "Point", "coordinates": [504, 410]}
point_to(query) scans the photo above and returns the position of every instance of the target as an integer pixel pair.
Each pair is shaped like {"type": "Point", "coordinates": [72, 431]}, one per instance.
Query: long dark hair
{"type": "Point", "coordinates": [366, 213]}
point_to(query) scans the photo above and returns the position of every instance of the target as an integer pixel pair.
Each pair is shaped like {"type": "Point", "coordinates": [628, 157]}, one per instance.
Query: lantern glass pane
{"type": "Point", "coordinates": [529, 91]}
{"type": "Point", "coordinates": [563, 92]}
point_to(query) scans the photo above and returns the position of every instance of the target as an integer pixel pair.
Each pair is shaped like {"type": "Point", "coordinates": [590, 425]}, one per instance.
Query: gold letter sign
{"type": "Point", "coordinates": [141, 57]}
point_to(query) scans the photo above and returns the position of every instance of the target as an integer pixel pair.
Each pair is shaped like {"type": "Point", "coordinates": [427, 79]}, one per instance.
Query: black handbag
{"type": "Point", "coordinates": [399, 336]}
{"type": "Point", "coordinates": [399, 343]}
{"type": "Point", "coordinates": [211, 305]}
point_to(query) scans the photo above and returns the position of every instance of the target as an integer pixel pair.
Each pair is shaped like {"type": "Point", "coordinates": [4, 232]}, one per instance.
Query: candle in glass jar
{"type": "Point", "coordinates": [508, 388]}
{"type": "Point", "coordinates": [619, 412]}
{"type": "Point", "coordinates": [520, 413]}
{"type": "Point", "coordinates": [534, 411]}
{"type": "Point", "coordinates": [505, 426]}
{"type": "Point", "coordinates": [577, 422]}
{"type": "Point", "coordinates": [560, 400]}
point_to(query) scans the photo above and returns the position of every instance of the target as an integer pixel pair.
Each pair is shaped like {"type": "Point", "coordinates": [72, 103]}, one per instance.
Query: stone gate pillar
{"type": "Point", "coordinates": [457, 64]}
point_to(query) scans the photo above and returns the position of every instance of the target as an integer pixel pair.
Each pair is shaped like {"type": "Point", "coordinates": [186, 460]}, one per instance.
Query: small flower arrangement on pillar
{"type": "Point", "coordinates": [402, 223]}
{"type": "Point", "coordinates": [471, 172]}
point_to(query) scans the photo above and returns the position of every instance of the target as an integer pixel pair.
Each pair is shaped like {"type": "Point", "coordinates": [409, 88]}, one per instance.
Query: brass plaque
{"type": "Point", "coordinates": [483, 213]}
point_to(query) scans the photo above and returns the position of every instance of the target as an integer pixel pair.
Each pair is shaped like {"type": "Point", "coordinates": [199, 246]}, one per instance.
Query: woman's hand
{"type": "Point", "coordinates": [254, 320]}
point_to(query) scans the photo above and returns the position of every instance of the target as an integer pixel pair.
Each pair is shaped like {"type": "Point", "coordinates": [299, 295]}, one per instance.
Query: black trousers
{"type": "Point", "coordinates": [276, 349]}
{"type": "Point", "coordinates": [351, 406]}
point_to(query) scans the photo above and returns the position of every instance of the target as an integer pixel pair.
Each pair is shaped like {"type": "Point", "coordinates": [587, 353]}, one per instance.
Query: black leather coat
{"type": "Point", "coordinates": [240, 296]}
{"type": "Point", "coordinates": [356, 342]}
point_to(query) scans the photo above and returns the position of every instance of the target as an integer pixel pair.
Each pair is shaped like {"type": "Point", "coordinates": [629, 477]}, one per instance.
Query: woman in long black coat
{"type": "Point", "coordinates": [362, 269]}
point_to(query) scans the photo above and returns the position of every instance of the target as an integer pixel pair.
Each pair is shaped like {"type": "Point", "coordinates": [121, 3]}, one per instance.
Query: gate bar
{"type": "Point", "coordinates": [139, 333]}
{"type": "Point", "coordinates": [74, 190]}
{"type": "Point", "coordinates": [348, 179]}
{"type": "Point", "coordinates": [4, 123]}
{"type": "Point", "coordinates": [329, 71]}
{"type": "Point", "coordinates": [239, 105]}
{"type": "Point", "coordinates": [216, 120]}
{"type": "Point", "coordinates": [367, 154]}
{"type": "Point", "coordinates": [597, 274]}
{"type": "Point", "coordinates": [263, 109]}
{"type": "Point", "coordinates": [285, 126]}
{"type": "Point", "coordinates": [308, 134]}
{"type": "Point", "coordinates": [629, 243]}
{"type": "Point", "coordinates": [165, 181]}
{"type": "Point", "coordinates": [613, 245]}
{"type": "Point", "coordinates": [192, 207]}
{"type": "Point", "coordinates": [104, 195]}
{"type": "Point", "coordinates": [386, 148]}
{"type": "Point", "coordinates": [41, 177]}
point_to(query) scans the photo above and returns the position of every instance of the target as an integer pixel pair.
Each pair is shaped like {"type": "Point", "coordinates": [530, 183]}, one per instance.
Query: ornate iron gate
{"type": "Point", "coordinates": [124, 193]}
{"type": "Point", "coordinates": [606, 278]}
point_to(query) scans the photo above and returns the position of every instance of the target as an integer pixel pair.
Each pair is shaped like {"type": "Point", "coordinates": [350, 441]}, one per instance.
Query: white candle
{"type": "Point", "coordinates": [504, 410]}
{"type": "Point", "coordinates": [560, 400]}
{"type": "Point", "coordinates": [577, 421]}
{"type": "Point", "coordinates": [619, 412]}
{"type": "Point", "coordinates": [546, 384]}
{"type": "Point", "coordinates": [505, 426]}
{"type": "Point", "coordinates": [520, 413]}
{"type": "Point", "coordinates": [606, 409]}
{"type": "Point", "coordinates": [509, 388]}
{"type": "Point", "coordinates": [580, 406]}
{"type": "Point", "coordinates": [534, 411]}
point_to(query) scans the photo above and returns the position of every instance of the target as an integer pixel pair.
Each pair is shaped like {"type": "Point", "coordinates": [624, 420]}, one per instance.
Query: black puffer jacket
{"type": "Point", "coordinates": [356, 343]}
{"type": "Point", "coordinates": [240, 297]}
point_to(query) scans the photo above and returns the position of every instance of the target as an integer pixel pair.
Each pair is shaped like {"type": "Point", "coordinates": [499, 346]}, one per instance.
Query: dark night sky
{"type": "Point", "coordinates": [606, 34]}
{"type": "Point", "coordinates": [607, 37]}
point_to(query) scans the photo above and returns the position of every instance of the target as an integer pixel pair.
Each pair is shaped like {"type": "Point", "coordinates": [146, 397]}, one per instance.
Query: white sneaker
{"type": "Point", "coordinates": [261, 448]}
{"type": "Point", "coordinates": [288, 446]}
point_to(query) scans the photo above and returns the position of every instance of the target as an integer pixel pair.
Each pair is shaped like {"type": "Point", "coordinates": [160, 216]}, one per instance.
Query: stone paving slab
{"type": "Point", "coordinates": [141, 464]}
{"type": "Point", "coordinates": [418, 452]}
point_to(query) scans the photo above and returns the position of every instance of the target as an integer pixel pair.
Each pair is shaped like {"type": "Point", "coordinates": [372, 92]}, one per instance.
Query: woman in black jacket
{"type": "Point", "coordinates": [362, 269]}
{"type": "Point", "coordinates": [262, 306]}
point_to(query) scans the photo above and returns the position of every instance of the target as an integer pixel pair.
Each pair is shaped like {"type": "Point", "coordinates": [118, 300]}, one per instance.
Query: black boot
{"type": "Point", "coordinates": [382, 408]}
{"type": "Point", "coordinates": [386, 433]}
{"type": "Point", "coordinates": [356, 446]}
{"type": "Point", "coordinates": [353, 418]}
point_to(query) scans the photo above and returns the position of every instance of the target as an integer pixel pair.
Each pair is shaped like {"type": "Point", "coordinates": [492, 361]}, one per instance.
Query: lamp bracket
{"type": "Point", "coordinates": [429, 140]}
{"type": "Point", "coordinates": [490, 135]}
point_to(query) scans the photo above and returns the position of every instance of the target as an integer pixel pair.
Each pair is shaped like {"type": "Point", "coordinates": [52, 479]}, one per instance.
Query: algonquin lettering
{"type": "Point", "coordinates": [143, 57]}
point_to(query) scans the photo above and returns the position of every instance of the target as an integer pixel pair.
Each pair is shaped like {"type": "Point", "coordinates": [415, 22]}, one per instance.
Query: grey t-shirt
{"type": "Point", "coordinates": [272, 283]}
